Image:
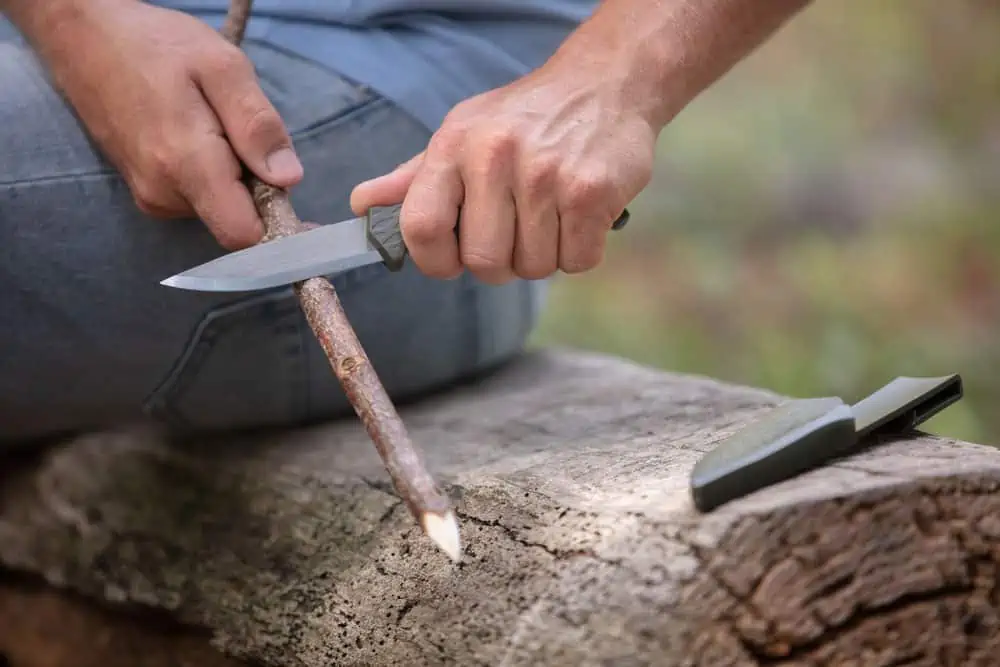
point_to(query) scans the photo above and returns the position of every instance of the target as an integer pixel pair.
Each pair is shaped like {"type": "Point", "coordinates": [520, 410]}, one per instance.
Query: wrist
{"type": "Point", "coordinates": [51, 25]}
{"type": "Point", "coordinates": [660, 55]}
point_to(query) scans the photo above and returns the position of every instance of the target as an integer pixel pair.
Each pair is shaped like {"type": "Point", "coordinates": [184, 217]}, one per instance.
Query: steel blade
{"type": "Point", "coordinates": [323, 251]}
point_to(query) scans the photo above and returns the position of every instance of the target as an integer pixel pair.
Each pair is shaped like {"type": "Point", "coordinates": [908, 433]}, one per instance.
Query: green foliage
{"type": "Point", "coordinates": [824, 219]}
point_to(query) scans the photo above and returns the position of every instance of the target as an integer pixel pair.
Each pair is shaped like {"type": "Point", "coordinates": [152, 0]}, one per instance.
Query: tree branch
{"type": "Point", "coordinates": [349, 361]}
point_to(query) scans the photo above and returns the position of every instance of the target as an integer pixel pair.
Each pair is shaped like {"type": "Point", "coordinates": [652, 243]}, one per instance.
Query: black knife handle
{"type": "Point", "coordinates": [383, 232]}
{"type": "Point", "coordinates": [382, 229]}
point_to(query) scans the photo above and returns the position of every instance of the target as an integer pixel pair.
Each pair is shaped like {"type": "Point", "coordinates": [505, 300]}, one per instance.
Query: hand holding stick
{"type": "Point", "coordinates": [350, 363]}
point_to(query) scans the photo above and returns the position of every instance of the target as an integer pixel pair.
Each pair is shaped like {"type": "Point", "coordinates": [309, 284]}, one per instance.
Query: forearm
{"type": "Point", "coordinates": [666, 52]}
{"type": "Point", "coordinates": [49, 24]}
{"type": "Point", "coordinates": [32, 17]}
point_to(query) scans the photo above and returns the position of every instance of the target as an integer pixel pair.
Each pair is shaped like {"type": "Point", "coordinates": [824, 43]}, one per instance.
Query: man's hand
{"type": "Point", "coordinates": [167, 99]}
{"type": "Point", "coordinates": [534, 174]}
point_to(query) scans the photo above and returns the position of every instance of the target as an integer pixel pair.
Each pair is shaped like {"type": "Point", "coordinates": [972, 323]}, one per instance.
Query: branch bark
{"type": "Point", "coordinates": [348, 359]}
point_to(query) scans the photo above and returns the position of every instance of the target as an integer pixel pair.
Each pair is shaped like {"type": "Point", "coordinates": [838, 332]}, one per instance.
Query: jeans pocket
{"type": "Point", "coordinates": [307, 95]}
{"type": "Point", "coordinates": [244, 367]}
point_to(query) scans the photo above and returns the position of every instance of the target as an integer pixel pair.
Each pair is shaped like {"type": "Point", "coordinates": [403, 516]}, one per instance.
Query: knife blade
{"type": "Point", "coordinates": [323, 251]}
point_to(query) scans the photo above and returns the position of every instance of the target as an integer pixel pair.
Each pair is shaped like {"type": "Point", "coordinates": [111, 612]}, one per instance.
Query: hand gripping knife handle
{"type": "Point", "coordinates": [384, 234]}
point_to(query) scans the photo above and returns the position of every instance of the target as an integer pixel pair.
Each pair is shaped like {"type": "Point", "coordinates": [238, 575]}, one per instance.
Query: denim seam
{"type": "Point", "coordinates": [314, 129]}
{"type": "Point", "coordinates": [333, 121]}
{"type": "Point", "coordinates": [264, 43]}
{"type": "Point", "coordinates": [214, 324]}
{"type": "Point", "coordinates": [58, 179]}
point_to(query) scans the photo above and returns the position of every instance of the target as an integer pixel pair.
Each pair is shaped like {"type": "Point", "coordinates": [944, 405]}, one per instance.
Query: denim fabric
{"type": "Point", "coordinates": [88, 337]}
{"type": "Point", "coordinates": [424, 55]}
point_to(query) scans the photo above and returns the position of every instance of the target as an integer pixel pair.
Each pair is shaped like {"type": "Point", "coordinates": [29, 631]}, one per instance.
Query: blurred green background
{"type": "Point", "coordinates": [826, 218]}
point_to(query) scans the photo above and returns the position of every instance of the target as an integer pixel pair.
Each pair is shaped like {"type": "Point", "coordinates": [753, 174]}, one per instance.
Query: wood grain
{"type": "Point", "coordinates": [570, 473]}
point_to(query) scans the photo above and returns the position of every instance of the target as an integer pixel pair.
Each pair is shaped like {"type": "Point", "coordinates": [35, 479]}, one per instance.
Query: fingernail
{"type": "Point", "coordinates": [283, 164]}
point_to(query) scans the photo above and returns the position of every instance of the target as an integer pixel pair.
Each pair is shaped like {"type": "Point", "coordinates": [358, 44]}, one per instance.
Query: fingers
{"type": "Point", "coordinates": [251, 122]}
{"type": "Point", "coordinates": [209, 178]}
{"type": "Point", "coordinates": [536, 249]}
{"type": "Point", "coordinates": [522, 213]}
{"type": "Point", "coordinates": [429, 215]}
{"type": "Point", "coordinates": [487, 227]}
{"type": "Point", "coordinates": [385, 190]}
{"type": "Point", "coordinates": [580, 248]}
{"type": "Point", "coordinates": [584, 219]}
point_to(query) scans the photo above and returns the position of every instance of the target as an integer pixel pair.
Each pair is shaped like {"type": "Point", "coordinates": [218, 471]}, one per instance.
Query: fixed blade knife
{"type": "Point", "coordinates": [323, 251]}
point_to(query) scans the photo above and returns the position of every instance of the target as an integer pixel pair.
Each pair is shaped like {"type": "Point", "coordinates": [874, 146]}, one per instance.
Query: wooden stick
{"type": "Point", "coordinates": [349, 361]}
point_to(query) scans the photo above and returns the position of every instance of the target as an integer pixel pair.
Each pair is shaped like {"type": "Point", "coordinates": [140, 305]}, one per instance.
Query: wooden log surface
{"type": "Point", "coordinates": [569, 474]}
{"type": "Point", "coordinates": [45, 627]}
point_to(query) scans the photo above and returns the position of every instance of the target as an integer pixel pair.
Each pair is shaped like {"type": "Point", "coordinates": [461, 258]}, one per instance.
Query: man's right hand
{"type": "Point", "coordinates": [168, 100]}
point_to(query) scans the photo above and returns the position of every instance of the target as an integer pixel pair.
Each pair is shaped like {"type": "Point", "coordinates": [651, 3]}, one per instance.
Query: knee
{"type": "Point", "coordinates": [423, 335]}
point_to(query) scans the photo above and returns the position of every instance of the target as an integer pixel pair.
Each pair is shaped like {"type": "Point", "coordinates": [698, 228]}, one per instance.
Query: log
{"type": "Point", "coordinates": [570, 473]}
{"type": "Point", "coordinates": [45, 627]}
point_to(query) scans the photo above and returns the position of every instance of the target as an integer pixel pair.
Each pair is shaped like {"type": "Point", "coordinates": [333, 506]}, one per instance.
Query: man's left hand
{"type": "Point", "coordinates": [533, 174]}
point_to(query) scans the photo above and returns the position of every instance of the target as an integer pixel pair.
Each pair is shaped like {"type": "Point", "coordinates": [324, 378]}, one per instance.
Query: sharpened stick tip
{"type": "Point", "coordinates": [443, 531]}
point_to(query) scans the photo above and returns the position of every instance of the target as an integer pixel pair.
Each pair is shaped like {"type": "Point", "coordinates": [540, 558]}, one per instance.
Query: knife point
{"type": "Point", "coordinates": [326, 250]}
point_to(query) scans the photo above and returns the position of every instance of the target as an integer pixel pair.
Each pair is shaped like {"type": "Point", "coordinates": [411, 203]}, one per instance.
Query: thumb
{"type": "Point", "coordinates": [388, 189]}
{"type": "Point", "coordinates": [252, 124]}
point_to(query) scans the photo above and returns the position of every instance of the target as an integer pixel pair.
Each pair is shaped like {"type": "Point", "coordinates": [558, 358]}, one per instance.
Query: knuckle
{"type": "Point", "coordinates": [421, 227]}
{"type": "Point", "coordinates": [146, 206]}
{"type": "Point", "coordinates": [540, 174]}
{"type": "Point", "coordinates": [587, 191]}
{"type": "Point", "coordinates": [500, 144]}
{"type": "Point", "coordinates": [458, 116]}
{"type": "Point", "coordinates": [229, 61]}
{"type": "Point", "coordinates": [493, 151]}
{"type": "Point", "coordinates": [233, 237]}
{"type": "Point", "coordinates": [261, 121]}
{"type": "Point", "coordinates": [147, 197]}
{"type": "Point", "coordinates": [185, 158]}
{"type": "Point", "coordinates": [160, 158]}
{"type": "Point", "coordinates": [447, 140]}
{"type": "Point", "coordinates": [486, 267]}
{"type": "Point", "coordinates": [231, 241]}
{"type": "Point", "coordinates": [168, 154]}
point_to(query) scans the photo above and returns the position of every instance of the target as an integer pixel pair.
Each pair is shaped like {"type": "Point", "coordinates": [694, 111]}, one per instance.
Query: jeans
{"type": "Point", "coordinates": [89, 338]}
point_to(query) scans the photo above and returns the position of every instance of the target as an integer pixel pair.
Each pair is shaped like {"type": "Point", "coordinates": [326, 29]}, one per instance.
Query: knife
{"type": "Point", "coordinates": [322, 251]}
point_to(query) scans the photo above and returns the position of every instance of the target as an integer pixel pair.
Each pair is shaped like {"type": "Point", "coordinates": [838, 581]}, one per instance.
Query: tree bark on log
{"type": "Point", "coordinates": [570, 473]}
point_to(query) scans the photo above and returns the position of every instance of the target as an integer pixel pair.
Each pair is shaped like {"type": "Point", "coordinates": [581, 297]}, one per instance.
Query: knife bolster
{"type": "Point", "coordinates": [384, 234]}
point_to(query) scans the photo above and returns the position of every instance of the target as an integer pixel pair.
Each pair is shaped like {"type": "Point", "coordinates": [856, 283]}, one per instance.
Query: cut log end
{"type": "Point", "coordinates": [904, 573]}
